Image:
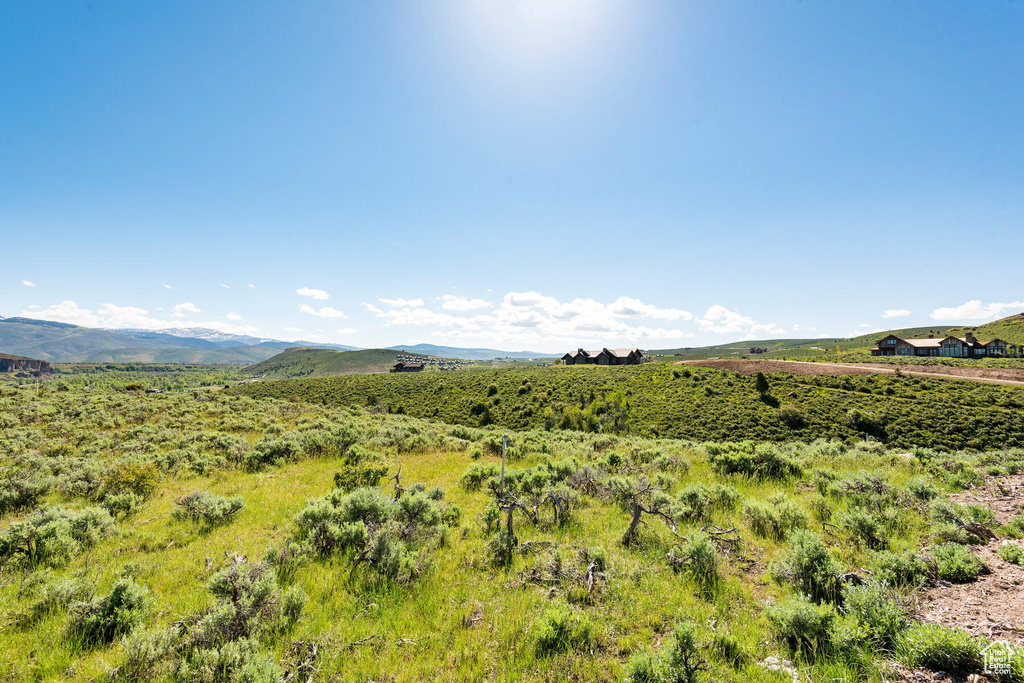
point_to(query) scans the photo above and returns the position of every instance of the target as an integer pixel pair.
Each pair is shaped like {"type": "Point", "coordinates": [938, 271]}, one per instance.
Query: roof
{"type": "Point", "coordinates": [934, 343]}
{"type": "Point", "coordinates": [922, 343]}
{"type": "Point", "coordinates": [621, 353]}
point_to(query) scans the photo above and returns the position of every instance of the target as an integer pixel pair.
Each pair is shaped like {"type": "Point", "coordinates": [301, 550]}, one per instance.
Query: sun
{"type": "Point", "coordinates": [533, 44]}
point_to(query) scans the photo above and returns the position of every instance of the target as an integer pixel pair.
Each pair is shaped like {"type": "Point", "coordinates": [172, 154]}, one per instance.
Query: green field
{"type": "Point", "coordinates": [658, 400]}
{"type": "Point", "coordinates": [112, 570]}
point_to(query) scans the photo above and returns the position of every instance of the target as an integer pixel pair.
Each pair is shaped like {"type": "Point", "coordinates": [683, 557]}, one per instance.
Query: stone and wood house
{"type": "Point", "coordinates": [407, 367]}
{"type": "Point", "coordinates": [948, 347]}
{"type": "Point", "coordinates": [603, 357]}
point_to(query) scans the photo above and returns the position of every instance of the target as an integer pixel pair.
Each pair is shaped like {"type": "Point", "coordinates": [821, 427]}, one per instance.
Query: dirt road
{"type": "Point", "coordinates": [1012, 377]}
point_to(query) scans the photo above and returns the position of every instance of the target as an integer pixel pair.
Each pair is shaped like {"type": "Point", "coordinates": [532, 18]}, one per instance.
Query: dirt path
{"type": "Point", "coordinates": [992, 606]}
{"type": "Point", "coordinates": [1011, 377]}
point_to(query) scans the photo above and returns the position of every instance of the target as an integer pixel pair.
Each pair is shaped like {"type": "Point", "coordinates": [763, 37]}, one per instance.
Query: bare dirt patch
{"type": "Point", "coordinates": [992, 606]}
{"type": "Point", "coordinates": [750, 367]}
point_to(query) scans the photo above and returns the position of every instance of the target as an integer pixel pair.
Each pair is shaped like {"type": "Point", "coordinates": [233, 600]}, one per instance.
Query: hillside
{"type": "Point", "coordinates": [701, 404]}
{"type": "Point", "coordinates": [235, 355]}
{"type": "Point", "coordinates": [1010, 329]}
{"type": "Point", "coordinates": [303, 362]}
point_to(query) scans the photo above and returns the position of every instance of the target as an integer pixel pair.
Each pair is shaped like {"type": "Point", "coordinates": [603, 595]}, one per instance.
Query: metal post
{"type": "Point", "coordinates": [504, 447]}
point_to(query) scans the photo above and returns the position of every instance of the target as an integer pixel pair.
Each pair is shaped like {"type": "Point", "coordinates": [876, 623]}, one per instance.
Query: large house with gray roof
{"type": "Point", "coordinates": [603, 357]}
{"type": "Point", "coordinates": [949, 347]}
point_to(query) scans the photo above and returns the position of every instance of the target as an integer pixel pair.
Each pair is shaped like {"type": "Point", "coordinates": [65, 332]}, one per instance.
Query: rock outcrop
{"type": "Point", "coordinates": [22, 364]}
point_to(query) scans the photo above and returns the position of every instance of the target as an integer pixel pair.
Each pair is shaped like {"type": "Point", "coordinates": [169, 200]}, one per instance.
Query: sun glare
{"type": "Point", "coordinates": [534, 45]}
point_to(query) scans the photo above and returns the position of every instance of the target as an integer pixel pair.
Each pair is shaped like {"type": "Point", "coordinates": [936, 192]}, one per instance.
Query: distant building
{"type": "Point", "coordinates": [604, 357]}
{"type": "Point", "coordinates": [949, 347]}
{"type": "Point", "coordinates": [757, 349]}
{"type": "Point", "coordinates": [407, 367]}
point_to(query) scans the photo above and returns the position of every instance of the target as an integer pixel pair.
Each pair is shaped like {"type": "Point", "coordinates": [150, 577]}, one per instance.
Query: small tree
{"type": "Point", "coordinates": [761, 384]}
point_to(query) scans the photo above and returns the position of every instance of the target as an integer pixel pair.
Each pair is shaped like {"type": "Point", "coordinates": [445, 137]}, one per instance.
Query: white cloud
{"type": "Point", "coordinates": [113, 316]}
{"type": "Point", "coordinates": [35, 306]}
{"type": "Point", "coordinates": [634, 308]}
{"type": "Point", "coordinates": [896, 313]}
{"type": "Point", "coordinates": [325, 312]}
{"type": "Point", "coordinates": [721, 320]}
{"type": "Point", "coordinates": [181, 309]}
{"type": "Point", "coordinates": [402, 303]}
{"type": "Point", "coordinates": [27, 283]}
{"type": "Point", "coordinates": [459, 303]}
{"type": "Point", "coordinates": [533, 318]}
{"type": "Point", "coordinates": [252, 286]}
{"type": "Point", "coordinates": [167, 286]}
{"type": "Point", "coordinates": [292, 329]}
{"type": "Point", "coordinates": [346, 331]}
{"type": "Point", "coordinates": [224, 286]}
{"type": "Point", "coordinates": [233, 316]}
{"type": "Point", "coordinates": [312, 293]}
{"type": "Point", "coordinates": [975, 310]}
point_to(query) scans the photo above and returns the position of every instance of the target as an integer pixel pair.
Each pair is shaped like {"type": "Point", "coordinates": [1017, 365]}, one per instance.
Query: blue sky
{"type": "Point", "coordinates": [531, 174]}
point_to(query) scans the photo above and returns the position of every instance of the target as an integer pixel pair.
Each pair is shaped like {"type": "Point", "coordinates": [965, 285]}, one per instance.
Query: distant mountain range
{"type": "Point", "coordinates": [65, 343]}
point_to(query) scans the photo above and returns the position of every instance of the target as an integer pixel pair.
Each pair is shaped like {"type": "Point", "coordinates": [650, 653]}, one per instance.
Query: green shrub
{"type": "Point", "coordinates": [792, 416]}
{"type": "Point", "coordinates": [940, 649]}
{"type": "Point", "coordinates": [121, 504]}
{"type": "Point", "coordinates": [477, 473]}
{"type": "Point", "coordinates": [293, 601]}
{"type": "Point", "coordinates": [389, 536]}
{"type": "Point", "coordinates": [207, 508]}
{"type": "Point", "coordinates": [698, 558]}
{"type": "Point", "coordinates": [701, 501]}
{"type": "Point", "coordinates": [948, 518]}
{"type": "Point", "coordinates": [359, 475]}
{"type": "Point", "coordinates": [727, 649]}
{"type": "Point", "coordinates": [58, 595]}
{"type": "Point", "coordinates": [764, 460]}
{"type": "Point", "coordinates": [104, 618]}
{"type": "Point", "coordinates": [808, 567]}
{"type": "Point", "coordinates": [1015, 527]}
{"type": "Point", "coordinates": [922, 489]}
{"type": "Point", "coordinates": [865, 528]}
{"type": "Point", "coordinates": [134, 478]}
{"type": "Point", "coordinates": [680, 661]}
{"type": "Point", "coordinates": [802, 625]}
{"type": "Point", "coordinates": [645, 667]}
{"type": "Point", "coordinates": [874, 608]}
{"type": "Point", "coordinates": [956, 563]}
{"type": "Point", "coordinates": [776, 518]}
{"type": "Point", "coordinates": [682, 655]}
{"type": "Point", "coordinates": [1012, 553]}
{"type": "Point", "coordinates": [560, 629]}
{"type": "Point", "coordinates": [21, 493]}
{"type": "Point", "coordinates": [896, 570]}
{"type": "Point", "coordinates": [271, 450]}
{"type": "Point", "coordinates": [951, 533]}
{"type": "Point", "coordinates": [52, 536]}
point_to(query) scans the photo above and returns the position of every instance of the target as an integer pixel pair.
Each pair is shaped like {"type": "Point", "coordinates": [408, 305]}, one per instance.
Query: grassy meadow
{"type": "Point", "coordinates": [205, 536]}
